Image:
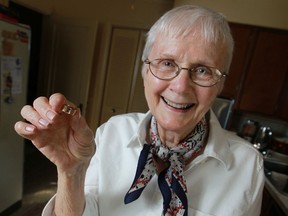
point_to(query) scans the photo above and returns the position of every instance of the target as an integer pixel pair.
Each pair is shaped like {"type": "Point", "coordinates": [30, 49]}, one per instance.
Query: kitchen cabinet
{"type": "Point", "coordinates": [266, 73]}
{"type": "Point", "coordinates": [243, 38]}
{"type": "Point", "coordinates": [259, 71]}
{"type": "Point", "coordinates": [283, 102]}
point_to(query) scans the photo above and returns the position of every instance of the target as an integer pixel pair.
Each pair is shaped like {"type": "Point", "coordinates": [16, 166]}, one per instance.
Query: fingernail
{"type": "Point", "coordinates": [29, 129]}
{"type": "Point", "coordinates": [43, 122]}
{"type": "Point", "coordinates": [50, 115]}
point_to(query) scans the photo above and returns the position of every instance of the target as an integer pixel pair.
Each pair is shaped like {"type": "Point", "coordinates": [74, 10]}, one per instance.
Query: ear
{"type": "Point", "coordinates": [144, 70]}
{"type": "Point", "coordinates": [144, 77]}
{"type": "Point", "coordinates": [144, 73]}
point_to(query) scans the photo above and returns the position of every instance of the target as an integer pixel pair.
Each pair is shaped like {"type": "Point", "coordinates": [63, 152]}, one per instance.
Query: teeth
{"type": "Point", "coordinates": [177, 106]}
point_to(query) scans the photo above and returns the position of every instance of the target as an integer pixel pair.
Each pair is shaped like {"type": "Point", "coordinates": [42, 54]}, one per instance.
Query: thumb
{"type": "Point", "coordinates": [84, 137]}
{"type": "Point", "coordinates": [82, 132]}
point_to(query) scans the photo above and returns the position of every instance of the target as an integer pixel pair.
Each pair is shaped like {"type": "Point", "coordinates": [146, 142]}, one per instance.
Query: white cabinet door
{"type": "Point", "coordinates": [137, 101]}
{"type": "Point", "coordinates": [123, 78]}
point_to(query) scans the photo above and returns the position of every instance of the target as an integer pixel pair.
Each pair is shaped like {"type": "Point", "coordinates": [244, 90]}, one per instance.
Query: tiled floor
{"type": "Point", "coordinates": [39, 184]}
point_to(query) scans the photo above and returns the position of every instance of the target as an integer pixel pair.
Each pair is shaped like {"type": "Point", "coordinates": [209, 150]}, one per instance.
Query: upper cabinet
{"type": "Point", "coordinates": [243, 38]}
{"type": "Point", "coordinates": [282, 108]}
{"type": "Point", "coordinates": [259, 71]}
{"type": "Point", "coordinates": [266, 73]}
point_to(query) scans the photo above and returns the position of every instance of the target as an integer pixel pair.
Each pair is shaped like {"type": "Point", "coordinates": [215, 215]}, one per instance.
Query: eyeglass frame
{"type": "Point", "coordinates": [147, 61]}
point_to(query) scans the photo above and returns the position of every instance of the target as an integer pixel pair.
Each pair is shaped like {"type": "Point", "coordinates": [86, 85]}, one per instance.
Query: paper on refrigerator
{"type": "Point", "coordinates": [11, 76]}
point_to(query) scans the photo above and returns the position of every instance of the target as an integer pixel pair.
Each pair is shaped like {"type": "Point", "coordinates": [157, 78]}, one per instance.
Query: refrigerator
{"type": "Point", "coordinates": [14, 64]}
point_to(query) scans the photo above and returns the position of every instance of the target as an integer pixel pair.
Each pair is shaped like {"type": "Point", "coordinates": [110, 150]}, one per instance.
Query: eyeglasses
{"type": "Point", "coordinates": [166, 69]}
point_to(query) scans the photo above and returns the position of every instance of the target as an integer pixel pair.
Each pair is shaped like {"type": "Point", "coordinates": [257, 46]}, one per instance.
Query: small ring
{"type": "Point", "coordinates": [68, 109]}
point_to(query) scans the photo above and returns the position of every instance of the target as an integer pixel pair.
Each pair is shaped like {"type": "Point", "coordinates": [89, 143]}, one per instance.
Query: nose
{"type": "Point", "coordinates": [182, 82]}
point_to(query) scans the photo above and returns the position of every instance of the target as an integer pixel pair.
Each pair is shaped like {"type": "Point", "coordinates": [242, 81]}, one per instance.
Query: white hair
{"type": "Point", "coordinates": [183, 20]}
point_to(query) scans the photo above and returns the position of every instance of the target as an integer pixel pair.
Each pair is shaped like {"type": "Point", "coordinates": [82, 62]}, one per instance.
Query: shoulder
{"type": "Point", "coordinates": [233, 151]}
{"type": "Point", "coordinates": [236, 142]}
{"type": "Point", "coordinates": [227, 143]}
{"type": "Point", "coordinates": [243, 151]}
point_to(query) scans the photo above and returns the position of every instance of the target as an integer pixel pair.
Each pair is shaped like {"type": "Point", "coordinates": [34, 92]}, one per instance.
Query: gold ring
{"type": "Point", "coordinates": [68, 109]}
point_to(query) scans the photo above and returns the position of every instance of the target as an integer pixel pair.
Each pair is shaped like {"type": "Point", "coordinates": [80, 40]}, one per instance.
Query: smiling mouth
{"type": "Point", "coordinates": [177, 105]}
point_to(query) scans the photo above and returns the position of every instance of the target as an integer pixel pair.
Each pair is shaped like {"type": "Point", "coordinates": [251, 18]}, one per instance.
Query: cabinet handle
{"type": "Point", "coordinates": [113, 110]}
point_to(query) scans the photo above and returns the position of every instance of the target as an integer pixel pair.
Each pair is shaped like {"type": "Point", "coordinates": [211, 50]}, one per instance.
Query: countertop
{"type": "Point", "coordinates": [280, 199]}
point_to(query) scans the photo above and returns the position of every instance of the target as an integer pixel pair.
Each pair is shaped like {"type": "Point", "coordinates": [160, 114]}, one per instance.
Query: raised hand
{"type": "Point", "coordinates": [64, 139]}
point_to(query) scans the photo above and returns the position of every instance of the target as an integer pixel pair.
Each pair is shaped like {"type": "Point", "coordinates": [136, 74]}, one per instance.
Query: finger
{"type": "Point", "coordinates": [62, 105]}
{"type": "Point", "coordinates": [42, 106]}
{"type": "Point", "coordinates": [40, 102]}
{"type": "Point", "coordinates": [33, 116]}
{"type": "Point", "coordinates": [25, 130]}
{"type": "Point", "coordinates": [57, 101]}
{"type": "Point", "coordinates": [29, 131]}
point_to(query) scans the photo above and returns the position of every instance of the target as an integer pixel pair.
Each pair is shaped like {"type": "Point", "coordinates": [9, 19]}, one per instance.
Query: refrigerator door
{"type": "Point", "coordinates": [14, 63]}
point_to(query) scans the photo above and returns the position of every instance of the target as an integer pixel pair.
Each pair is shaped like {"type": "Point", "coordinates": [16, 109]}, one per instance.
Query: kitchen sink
{"type": "Point", "coordinates": [276, 162]}
{"type": "Point", "coordinates": [276, 170]}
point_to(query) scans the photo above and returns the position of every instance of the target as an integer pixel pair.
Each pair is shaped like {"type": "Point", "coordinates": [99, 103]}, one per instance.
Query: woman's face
{"type": "Point", "coordinates": [179, 104]}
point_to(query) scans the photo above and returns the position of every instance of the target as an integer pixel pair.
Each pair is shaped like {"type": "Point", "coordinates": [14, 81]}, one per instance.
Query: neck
{"type": "Point", "coordinates": [172, 138]}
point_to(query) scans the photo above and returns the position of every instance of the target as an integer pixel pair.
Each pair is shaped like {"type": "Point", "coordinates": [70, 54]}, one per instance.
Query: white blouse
{"type": "Point", "coordinates": [227, 179]}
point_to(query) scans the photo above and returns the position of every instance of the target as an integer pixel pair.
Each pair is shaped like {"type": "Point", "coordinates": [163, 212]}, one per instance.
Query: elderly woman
{"type": "Point", "coordinates": [174, 160]}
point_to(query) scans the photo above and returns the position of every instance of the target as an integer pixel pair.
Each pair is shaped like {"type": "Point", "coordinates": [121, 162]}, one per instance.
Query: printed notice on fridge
{"type": "Point", "coordinates": [11, 75]}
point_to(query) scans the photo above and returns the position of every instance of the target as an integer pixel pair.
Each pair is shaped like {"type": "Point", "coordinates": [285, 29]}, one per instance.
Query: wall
{"type": "Point", "coordinates": [266, 13]}
{"type": "Point", "coordinates": [42, 6]}
{"type": "Point", "coordinates": [134, 13]}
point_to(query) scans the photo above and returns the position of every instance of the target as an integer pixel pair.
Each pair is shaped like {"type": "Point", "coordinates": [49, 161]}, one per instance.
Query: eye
{"type": "Point", "coordinates": [203, 71]}
{"type": "Point", "coordinates": [167, 63]}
